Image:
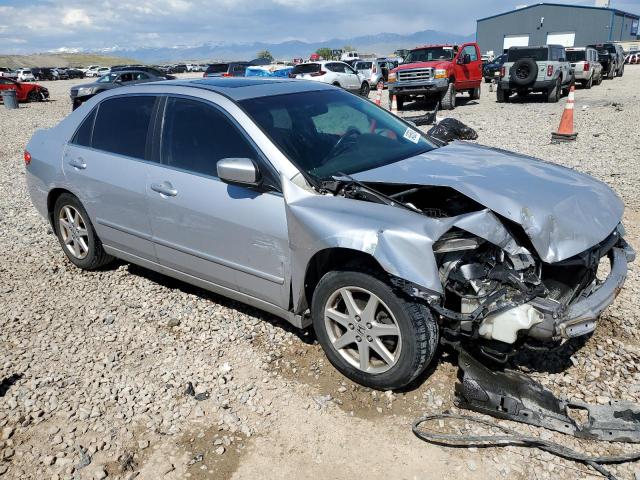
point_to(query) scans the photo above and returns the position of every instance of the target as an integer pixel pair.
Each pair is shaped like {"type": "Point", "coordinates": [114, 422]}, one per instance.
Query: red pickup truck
{"type": "Point", "coordinates": [438, 70]}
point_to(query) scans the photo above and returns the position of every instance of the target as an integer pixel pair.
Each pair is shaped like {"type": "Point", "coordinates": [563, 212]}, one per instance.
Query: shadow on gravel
{"type": "Point", "coordinates": [307, 336]}
{"type": "Point", "coordinates": [8, 382]}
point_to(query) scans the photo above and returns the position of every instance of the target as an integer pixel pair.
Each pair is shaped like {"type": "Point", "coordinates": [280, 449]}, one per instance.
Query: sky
{"type": "Point", "coordinates": [28, 26]}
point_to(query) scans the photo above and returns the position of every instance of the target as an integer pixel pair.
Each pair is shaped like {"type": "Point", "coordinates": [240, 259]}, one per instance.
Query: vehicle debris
{"type": "Point", "coordinates": [450, 129]}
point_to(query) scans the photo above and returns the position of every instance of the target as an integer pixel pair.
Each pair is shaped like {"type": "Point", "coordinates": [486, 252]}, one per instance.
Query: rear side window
{"type": "Point", "coordinates": [218, 68]}
{"type": "Point", "coordinates": [576, 55]}
{"type": "Point", "coordinates": [122, 125]}
{"type": "Point", "coordinates": [83, 134]}
{"type": "Point", "coordinates": [538, 54]}
{"type": "Point", "coordinates": [306, 68]}
{"type": "Point", "coordinates": [196, 135]}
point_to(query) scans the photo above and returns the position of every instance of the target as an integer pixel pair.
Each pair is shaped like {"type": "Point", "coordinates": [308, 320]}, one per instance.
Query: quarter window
{"type": "Point", "coordinates": [197, 135]}
{"type": "Point", "coordinates": [83, 135]}
{"type": "Point", "coordinates": [122, 125]}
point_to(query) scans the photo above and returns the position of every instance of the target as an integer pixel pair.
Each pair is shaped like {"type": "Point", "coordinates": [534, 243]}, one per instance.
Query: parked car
{"type": "Point", "coordinates": [535, 69]}
{"type": "Point", "coordinates": [153, 71]}
{"type": "Point", "coordinates": [90, 67]}
{"type": "Point", "coordinates": [349, 56]}
{"type": "Point", "coordinates": [97, 72]}
{"type": "Point", "coordinates": [438, 71]}
{"type": "Point", "coordinates": [81, 93]}
{"type": "Point", "coordinates": [611, 56]}
{"type": "Point", "coordinates": [25, 92]}
{"type": "Point", "coordinates": [335, 213]}
{"type": "Point", "coordinates": [334, 73]}
{"type": "Point", "coordinates": [586, 68]}
{"type": "Point", "coordinates": [376, 70]}
{"type": "Point", "coordinates": [61, 73]}
{"type": "Point", "coordinates": [6, 72]}
{"type": "Point", "coordinates": [75, 73]}
{"type": "Point", "coordinates": [632, 59]}
{"type": "Point", "coordinates": [25, 75]}
{"type": "Point", "coordinates": [491, 70]}
{"type": "Point", "coordinates": [180, 68]}
{"type": "Point", "coordinates": [44, 73]}
{"type": "Point", "coordinates": [231, 69]}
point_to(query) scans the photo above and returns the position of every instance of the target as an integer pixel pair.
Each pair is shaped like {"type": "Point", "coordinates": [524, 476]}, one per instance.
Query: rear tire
{"type": "Point", "coordinates": [448, 100]}
{"type": "Point", "coordinates": [589, 83]}
{"type": "Point", "coordinates": [475, 93]}
{"type": "Point", "coordinates": [553, 94]}
{"type": "Point", "coordinates": [384, 349]}
{"type": "Point", "coordinates": [502, 95]}
{"type": "Point", "coordinates": [76, 234]}
{"type": "Point", "coordinates": [621, 71]}
{"type": "Point", "coordinates": [365, 89]}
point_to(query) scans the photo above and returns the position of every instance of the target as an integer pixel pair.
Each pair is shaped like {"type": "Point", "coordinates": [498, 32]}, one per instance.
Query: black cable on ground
{"type": "Point", "coordinates": [513, 437]}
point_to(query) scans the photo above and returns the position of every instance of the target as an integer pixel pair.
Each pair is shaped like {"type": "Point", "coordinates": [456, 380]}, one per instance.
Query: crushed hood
{"type": "Point", "coordinates": [564, 212]}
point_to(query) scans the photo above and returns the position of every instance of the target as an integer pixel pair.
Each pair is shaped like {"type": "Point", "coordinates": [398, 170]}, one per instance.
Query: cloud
{"type": "Point", "coordinates": [76, 17]}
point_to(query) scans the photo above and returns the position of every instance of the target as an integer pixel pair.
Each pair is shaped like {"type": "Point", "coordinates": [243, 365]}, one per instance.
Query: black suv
{"type": "Point", "coordinates": [611, 57]}
{"type": "Point", "coordinates": [231, 69]}
{"type": "Point", "coordinates": [44, 73]}
{"type": "Point", "coordinates": [491, 70]}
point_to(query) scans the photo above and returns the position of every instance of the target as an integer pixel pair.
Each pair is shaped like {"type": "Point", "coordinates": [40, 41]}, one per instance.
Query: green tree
{"type": "Point", "coordinates": [266, 54]}
{"type": "Point", "coordinates": [324, 52]}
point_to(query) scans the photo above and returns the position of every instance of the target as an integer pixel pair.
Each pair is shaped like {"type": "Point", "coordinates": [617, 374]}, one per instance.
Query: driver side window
{"type": "Point", "coordinates": [471, 51]}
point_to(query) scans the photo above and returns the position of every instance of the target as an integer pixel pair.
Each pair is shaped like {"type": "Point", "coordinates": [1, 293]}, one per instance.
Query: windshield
{"type": "Point", "coordinates": [427, 54]}
{"type": "Point", "coordinates": [575, 55]}
{"type": "Point", "coordinates": [538, 54]}
{"type": "Point", "coordinates": [218, 68]}
{"type": "Point", "coordinates": [363, 66]}
{"type": "Point", "coordinates": [108, 78]}
{"type": "Point", "coordinates": [328, 132]}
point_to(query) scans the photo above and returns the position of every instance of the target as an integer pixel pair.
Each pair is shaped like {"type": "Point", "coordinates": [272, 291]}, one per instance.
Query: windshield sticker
{"type": "Point", "coordinates": [411, 135]}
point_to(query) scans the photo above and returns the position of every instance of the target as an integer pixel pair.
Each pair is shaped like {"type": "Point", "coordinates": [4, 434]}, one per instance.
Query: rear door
{"type": "Point", "coordinates": [230, 236]}
{"type": "Point", "coordinates": [107, 164]}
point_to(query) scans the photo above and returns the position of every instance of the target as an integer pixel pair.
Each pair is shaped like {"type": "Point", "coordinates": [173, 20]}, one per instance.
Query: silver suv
{"type": "Point", "coordinates": [535, 69]}
{"type": "Point", "coordinates": [586, 67]}
{"type": "Point", "coordinates": [317, 206]}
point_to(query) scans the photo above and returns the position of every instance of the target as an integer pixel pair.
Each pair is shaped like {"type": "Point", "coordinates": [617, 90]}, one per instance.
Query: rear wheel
{"type": "Point", "coordinates": [365, 89]}
{"type": "Point", "coordinates": [448, 101]}
{"type": "Point", "coordinates": [502, 95]}
{"type": "Point", "coordinates": [370, 334]}
{"type": "Point", "coordinates": [588, 83]}
{"type": "Point", "coordinates": [76, 235]}
{"type": "Point", "coordinates": [553, 94]}
{"type": "Point", "coordinates": [621, 71]}
{"type": "Point", "coordinates": [475, 93]}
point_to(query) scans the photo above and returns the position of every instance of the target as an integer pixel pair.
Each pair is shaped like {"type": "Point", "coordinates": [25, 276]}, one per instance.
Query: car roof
{"type": "Point", "coordinates": [242, 88]}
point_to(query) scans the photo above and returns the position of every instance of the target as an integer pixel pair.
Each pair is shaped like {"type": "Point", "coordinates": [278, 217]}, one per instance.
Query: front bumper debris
{"type": "Point", "coordinates": [579, 318]}
{"type": "Point", "coordinates": [513, 396]}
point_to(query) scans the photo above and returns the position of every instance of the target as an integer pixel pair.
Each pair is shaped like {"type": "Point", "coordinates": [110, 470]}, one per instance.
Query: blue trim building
{"type": "Point", "coordinates": [543, 23]}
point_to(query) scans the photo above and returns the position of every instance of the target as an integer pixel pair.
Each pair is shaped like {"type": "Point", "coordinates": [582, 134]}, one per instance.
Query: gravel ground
{"type": "Point", "coordinates": [123, 373]}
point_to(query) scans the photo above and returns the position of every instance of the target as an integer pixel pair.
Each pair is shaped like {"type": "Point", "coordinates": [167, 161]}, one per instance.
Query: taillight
{"type": "Point", "coordinates": [503, 71]}
{"type": "Point", "coordinates": [318, 73]}
{"type": "Point", "coordinates": [27, 158]}
{"type": "Point", "coordinates": [549, 70]}
{"type": "Point", "coordinates": [586, 66]}
{"type": "Point", "coordinates": [226, 75]}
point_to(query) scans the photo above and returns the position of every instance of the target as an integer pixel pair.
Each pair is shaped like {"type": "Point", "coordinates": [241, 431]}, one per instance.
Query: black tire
{"type": "Point", "coordinates": [524, 72]}
{"type": "Point", "coordinates": [95, 257]}
{"type": "Point", "coordinates": [475, 93]}
{"type": "Point", "coordinates": [621, 71]}
{"type": "Point", "coordinates": [400, 102]}
{"type": "Point", "coordinates": [502, 95]}
{"type": "Point", "coordinates": [588, 83]}
{"type": "Point", "coordinates": [553, 94]}
{"type": "Point", "coordinates": [611, 73]}
{"type": "Point", "coordinates": [33, 96]}
{"type": "Point", "coordinates": [418, 330]}
{"type": "Point", "coordinates": [448, 100]}
{"type": "Point", "coordinates": [365, 89]}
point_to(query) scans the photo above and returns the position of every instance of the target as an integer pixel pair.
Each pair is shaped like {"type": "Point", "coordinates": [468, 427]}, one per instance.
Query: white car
{"type": "Point", "coordinates": [8, 73]}
{"type": "Point", "coordinates": [333, 73]}
{"type": "Point", "coordinates": [97, 71]}
{"type": "Point", "coordinates": [25, 75]}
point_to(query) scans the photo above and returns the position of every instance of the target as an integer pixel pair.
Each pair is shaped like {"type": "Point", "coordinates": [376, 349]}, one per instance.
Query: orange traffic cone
{"type": "Point", "coordinates": [565, 131]}
{"type": "Point", "coordinates": [394, 105]}
{"type": "Point", "coordinates": [379, 94]}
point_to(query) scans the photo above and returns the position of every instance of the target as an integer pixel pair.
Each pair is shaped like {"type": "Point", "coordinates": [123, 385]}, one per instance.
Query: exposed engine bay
{"type": "Point", "coordinates": [500, 300]}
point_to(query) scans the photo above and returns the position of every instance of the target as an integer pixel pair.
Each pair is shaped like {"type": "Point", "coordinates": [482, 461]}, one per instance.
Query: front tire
{"type": "Point", "coordinates": [76, 234]}
{"type": "Point", "coordinates": [369, 333]}
{"type": "Point", "coordinates": [448, 101]}
{"type": "Point", "coordinates": [365, 89]}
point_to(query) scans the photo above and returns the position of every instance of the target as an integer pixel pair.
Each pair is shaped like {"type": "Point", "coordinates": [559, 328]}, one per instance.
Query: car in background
{"type": "Point", "coordinates": [541, 68]}
{"type": "Point", "coordinates": [90, 67]}
{"type": "Point", "coordinates": [180, 68]}
{"type": "Point", "coordinates": [195, 67]}
{"type": "Point", "coordinates": [81, 93]}
{"type": "Point", "coordinates": [6, 72]}
{"type": "Point", "coordinates": [376, 70]}
{"type": "Point", "coordinates": [44, 73]}
{"type": "Point", "coordinates": [61, 73]}
{"type": "Point", "coordinates": [75, 73]}
{"type": "Point", "coordinates": [25, 75]}
{"type": "Point", "coordinates": [230, 69]}
{"type": "Point", "coordinates": [586, 68]}
{"type": "Point", "coordinates": [335, 73]}
{"type": "Point", "coordinates": [349, 56]}
{"type": "Point", "coordinates": [97, 72]}
{"type": "Point", "coordinates": [156, 72]}
{"type": "Point", "coordinates": [632, 59]}
{"type": "Point", "coordinates": [611, 57]}
{"type": "Point", "coordinates": [25, 92]}
{"type": "Point", "coordinates": [491, 70]}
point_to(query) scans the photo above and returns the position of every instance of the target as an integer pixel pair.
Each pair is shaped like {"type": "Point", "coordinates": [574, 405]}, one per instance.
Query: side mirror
{"type": "Point", "coordinates": [238, 171]}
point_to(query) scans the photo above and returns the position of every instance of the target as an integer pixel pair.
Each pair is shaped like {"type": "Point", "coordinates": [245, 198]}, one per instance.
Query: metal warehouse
{"type": "Point", "coordinates": [553, 23]}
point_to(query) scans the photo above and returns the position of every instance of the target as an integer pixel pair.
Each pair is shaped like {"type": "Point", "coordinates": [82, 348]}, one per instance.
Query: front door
{"type": "Point", "coordinates": [470, 74]}
{"type": "Point", "coordinates": [106, 164]}
{"type": "Point", "coordinates": [228, 235]}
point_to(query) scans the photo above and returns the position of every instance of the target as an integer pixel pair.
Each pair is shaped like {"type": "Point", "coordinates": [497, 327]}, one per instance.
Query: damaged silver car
{"type": "Point", "coordinates": [319, 207]}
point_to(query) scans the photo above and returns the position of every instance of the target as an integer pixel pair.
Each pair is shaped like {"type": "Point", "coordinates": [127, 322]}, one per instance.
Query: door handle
{"type": "Point", "coordinates": [78, 163]}
{"type": "Point", "coordinates": [164, 188]}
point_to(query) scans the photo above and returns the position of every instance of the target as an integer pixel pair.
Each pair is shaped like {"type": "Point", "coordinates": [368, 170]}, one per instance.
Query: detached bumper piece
{"type": "Point", "coordinates": [513, 396]}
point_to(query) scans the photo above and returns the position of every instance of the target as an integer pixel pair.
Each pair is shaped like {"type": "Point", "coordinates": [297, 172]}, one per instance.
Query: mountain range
{"type": "Point", "coordinates": [381, 44]}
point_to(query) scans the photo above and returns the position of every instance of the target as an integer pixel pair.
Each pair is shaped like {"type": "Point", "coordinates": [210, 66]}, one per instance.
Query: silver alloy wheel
{"type": "Point", "coordinates": [362, 329]}
{"type": "Point", "coordinates": [74, 232]}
